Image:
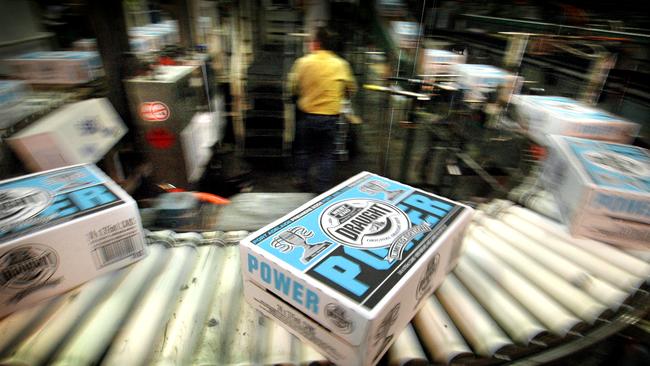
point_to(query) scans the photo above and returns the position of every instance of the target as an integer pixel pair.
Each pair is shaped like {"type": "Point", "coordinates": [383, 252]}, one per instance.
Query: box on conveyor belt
{"type": "Point", "coordinates": [61, 228]}
{"type": "Point", "coordinates": [76, 133]}
{"type": "Point", "coordinates": [348, 270]}
{"type": "Point", "coordinates": [56, 67]}
{"type": "Point", "coordinates": [602, 189]}
{"type": "Point", "coordinates": [551, 115]}
{"type": "Point", "coordinates": [477, 81]}
{"type": "Point", "coordinates": [436, 62]}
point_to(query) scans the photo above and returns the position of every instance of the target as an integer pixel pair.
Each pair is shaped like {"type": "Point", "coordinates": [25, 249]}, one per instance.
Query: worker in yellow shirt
{"type": "Point", "coordinates": [320, 81]}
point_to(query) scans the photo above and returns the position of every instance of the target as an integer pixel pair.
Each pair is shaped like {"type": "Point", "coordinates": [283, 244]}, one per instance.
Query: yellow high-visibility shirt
{"type": "Point", "coordinates": [320, 80]}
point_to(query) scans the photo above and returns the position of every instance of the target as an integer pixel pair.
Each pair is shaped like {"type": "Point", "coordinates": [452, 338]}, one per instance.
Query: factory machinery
{"type": "Point", "coordinates": [523, 291]}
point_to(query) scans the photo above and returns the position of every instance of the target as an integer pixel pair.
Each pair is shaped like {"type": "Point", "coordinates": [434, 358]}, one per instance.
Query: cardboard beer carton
{"type": "Point", "coordinates": [57, 67]}
{"type": "Point", "coordinates": [602, 189]}
{"type": "Point", "coordinates": [77, 133]}
{"type": "Point", "coordinates": [435, 62]}
{"type": "Point", "coordinates": [478, 80]}
{"type": "Point", "coordinates": [551, 115]}
{"type": "Point", "coordinates": [348, 270]}
{"type": "Point", "coordinates": [61, 228]}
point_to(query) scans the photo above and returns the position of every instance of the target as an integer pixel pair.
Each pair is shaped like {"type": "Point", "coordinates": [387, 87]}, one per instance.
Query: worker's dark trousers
{"type": "Point", "coordinates": [314, 146]}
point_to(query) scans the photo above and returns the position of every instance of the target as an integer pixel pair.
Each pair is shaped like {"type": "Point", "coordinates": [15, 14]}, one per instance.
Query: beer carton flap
{"type": "Point", "coordinates": [388, 224]}
{"type": "Point", "coordinates": [35, 202]}
{"type": "Point", "coordinates": [609, 165]}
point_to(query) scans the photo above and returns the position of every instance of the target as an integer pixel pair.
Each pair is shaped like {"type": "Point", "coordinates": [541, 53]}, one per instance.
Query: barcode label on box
{"type": "Point", "coordinates": [118, 250]}
{"type": "Point", "coordinates": [115, 242]}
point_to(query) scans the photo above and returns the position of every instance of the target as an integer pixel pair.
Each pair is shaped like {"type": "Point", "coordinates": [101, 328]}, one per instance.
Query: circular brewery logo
{"type": "Point", "coordinates": [618, 163]}
{"type": "Point", "coordinates": [27, 265]}
{"type": "Point", "coordinates": [364, 223]}
{"type": "Point", "coordinates": [18, 204]}
{"type": "Point", "coordinates": [339, 318]}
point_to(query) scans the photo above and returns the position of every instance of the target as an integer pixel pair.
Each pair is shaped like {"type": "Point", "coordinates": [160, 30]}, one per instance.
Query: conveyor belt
{"type": "Point", "coordinates": [523, 289]}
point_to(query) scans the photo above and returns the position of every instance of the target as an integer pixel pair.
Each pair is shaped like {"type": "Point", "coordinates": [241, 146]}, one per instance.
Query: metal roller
{"type": "Point", "coordinates": [96, 333]}
{"type": "Point", "coordinates": [407, 350]}
{"type": "Point", "coordinates": [509, 314]}
{"type": "Point", "coordinates": [551, 314]}
{"type": "Point", "coordinates": [536, 199]}
{"type": "Point", "coordinates": [563, 292]}
{"type": "Point", "coordinates": [438, 334]}
{"type": "Point", "coordinates": [15, 327]}
{"type": "Point", "coordinates": [186, 324]}
{"type": "Point", "coordinates": [575, 275]}
{"type": "Point", "coordinates": [310, 357]}
{"type": "Point", "coordinates": [279, 349]}
{"type": "Point", "coordinates": [225, 302]}
{"type": "Point", "coordinates": [641, 254]}
{"type": "Point", "coordinates": [40, 346]}
{"type": "Point", "coordinates": [482, 333]}
{"type": "Point", "coordinates": [134, 343]}
{"type": "Point", "coordinates": [609, 253]}
{"type": "Point", "coordinates": [584, 259]}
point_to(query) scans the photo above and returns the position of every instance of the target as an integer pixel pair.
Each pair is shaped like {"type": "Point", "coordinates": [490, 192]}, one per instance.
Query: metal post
{"type": "Point", "coordinates": [107, 19]}
{"type": "Point", "coordinates": [517, 43]}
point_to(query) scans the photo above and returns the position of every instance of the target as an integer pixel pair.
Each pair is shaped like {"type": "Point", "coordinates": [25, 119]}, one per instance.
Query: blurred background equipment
{"type": "Point", "coordinates": [461, 99]}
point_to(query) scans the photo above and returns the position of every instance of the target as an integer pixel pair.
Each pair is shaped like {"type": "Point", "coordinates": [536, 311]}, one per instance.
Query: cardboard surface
{"type": "Point", "coordinates": [550, 115]}
{"type": "Point", "coordinates": [358, 260]}
{"type": "Point", "coordinates": [602, 189]}
{"type": "Point", "coordinates": [57, 67]}
{"type": "Point", "coordinates": [76, 133]}
{"type": "Point", "coordinates": [61, 228]}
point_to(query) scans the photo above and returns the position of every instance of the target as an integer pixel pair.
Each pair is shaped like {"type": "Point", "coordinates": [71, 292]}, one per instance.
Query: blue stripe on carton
{"type": "Point", "coordinates": [36, 202]}
{"type": "Point", "coordinates": [616, 166]}
{"type": "Point", "coordinates": [361, 239]}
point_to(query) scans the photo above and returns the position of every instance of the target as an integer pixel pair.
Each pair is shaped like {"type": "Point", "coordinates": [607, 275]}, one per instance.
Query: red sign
{"type": "Point", "coordinates": [160, 138]}
{"type": "Point", "coordinates": [154, 111]}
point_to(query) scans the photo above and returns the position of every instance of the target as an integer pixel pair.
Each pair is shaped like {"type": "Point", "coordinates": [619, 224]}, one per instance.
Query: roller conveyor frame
{"type": "Point", "coordinates": [231, 326]}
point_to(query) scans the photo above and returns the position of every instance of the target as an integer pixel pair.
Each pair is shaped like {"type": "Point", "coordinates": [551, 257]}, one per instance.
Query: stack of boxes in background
{"type": "Point", "coordinates": [438, 62]}
{"type": "Point", "coordinates": [551, 115]}
{"type": "Point", "coordinates": [405, 34]}
{"type": "Point", "coordinates": [56, 67]}
{"type": "Point", "coordinates": [148, 38]}
{"type": "Point", "coordinates": [479, 81]}
{"type": "Point", "coordinates": [348, 270]}
{"type": "Point", "coordinates": [153, 37]}
{"type": "Point", "coordinates": [602, 189]}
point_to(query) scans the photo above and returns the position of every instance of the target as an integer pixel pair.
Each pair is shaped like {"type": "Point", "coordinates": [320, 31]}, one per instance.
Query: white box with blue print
{"type": "Point", "coordinates": [347, 271]}
{"type": "Point", "coordinates": [61, 228]}
{"type": "Point", "coordinates": [56, 67]}
{"type": "Point", "coordinates": [77, 133]}
{"type": "Point", "coordinates": [437, 62]}
{"type": "Point", "coordinates": [552, 115]}
{"type": "Point", "coordinates": [477, 81]}
{"type": "Point", "coordinates": [602, 189]}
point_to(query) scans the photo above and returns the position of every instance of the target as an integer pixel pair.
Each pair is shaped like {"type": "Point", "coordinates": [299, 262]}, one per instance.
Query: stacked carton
{"type": "Point", "coordinates": [602, 189]}
{"type": "Point", "coordinates": [551, 115]}
{"type": "Point", "coordinates": [348, 270]}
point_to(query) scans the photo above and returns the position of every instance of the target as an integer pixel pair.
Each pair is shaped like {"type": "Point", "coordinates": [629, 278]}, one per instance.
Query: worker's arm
{"type": "Point", "coordinates": [292, 79]}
